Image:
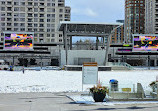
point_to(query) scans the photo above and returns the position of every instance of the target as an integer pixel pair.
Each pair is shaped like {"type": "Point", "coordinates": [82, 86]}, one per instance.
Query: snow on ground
{"type": "Point", "coordinates": [63, 81]}
{"type": "Point", "coordinates": [89, 100]}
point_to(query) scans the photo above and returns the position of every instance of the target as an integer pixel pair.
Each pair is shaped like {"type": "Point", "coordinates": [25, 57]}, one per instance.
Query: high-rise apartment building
{"type": "Point", "coordinates": [151, 16]}
{"type": "Point", "coordinates": [39, 16]}
{"type": "Point", "coordinates": [134, 18]}
{"type": "Point", "coordinates": [118, 35]}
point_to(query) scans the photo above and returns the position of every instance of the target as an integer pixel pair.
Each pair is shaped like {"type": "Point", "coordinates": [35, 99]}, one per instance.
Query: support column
{"type": "Point", "coordinates": [146, 62]}
{"type": "Point", "coordinates": [66, 47]}
{"type": "Point", "coordinates": [107, 50]}
{"type": "Point", "coordinates": [155, 62]}
{"type": "Point", "coordinates": [70, 42]}
{"type": "Point", "coordinates": [97, 41]}
{"type": "Point", "coordinates": [41, 63]}
{"type": "Point", "coordinates": [157, 89]}
{"type": "Point", "coordinates": [103, 42]}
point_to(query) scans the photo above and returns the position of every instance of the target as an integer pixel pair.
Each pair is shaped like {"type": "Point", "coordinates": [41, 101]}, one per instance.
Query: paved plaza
{"type": "Point", "coordinates": [59, 102]}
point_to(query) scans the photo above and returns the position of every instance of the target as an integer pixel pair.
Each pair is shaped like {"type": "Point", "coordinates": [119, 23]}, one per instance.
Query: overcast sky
{"type": "Point", "coordinates": [96, 10]}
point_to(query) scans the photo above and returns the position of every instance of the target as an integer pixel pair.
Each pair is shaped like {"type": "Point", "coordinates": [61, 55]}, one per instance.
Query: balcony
{"type": "Point", "coordinates": [30, 10]}
{"type": "Point", "coordinates": [41, 4]}
{"type": "Point", "coordinates": [61, 4]}
{"type": "Point", "coordinates": [60, 0]}
{"type": "Point", "coordinates": [30, 15]}
{"type": "Point", "coordinates": [30, 21]}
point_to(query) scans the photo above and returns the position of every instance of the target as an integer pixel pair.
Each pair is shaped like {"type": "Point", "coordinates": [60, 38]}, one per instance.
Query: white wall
{"type": "Point", "coordinates": [99, 56]}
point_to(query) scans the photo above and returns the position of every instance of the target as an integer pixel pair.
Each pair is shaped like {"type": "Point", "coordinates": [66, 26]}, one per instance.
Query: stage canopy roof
{"type": "Point", "coordinates": [87, 29]}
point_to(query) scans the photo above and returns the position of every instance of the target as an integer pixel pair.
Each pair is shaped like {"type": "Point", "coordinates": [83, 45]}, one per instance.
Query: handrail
{"type": "Point", "coordinates": [122, 64]}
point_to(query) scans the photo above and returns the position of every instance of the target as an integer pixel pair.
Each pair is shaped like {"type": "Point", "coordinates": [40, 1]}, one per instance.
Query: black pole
{"type": "Point", "coordinates": [148, 60]}
{"type": "Point", "coordinates": [13, 60]}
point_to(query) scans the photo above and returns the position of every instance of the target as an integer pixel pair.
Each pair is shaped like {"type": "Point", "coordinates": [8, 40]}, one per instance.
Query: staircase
{"type": "Point", "coordinates": [120, 66]}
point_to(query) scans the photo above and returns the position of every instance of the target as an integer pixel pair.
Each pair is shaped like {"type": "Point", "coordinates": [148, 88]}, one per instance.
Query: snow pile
{"type": "Point", "coordinates": [66, 81]}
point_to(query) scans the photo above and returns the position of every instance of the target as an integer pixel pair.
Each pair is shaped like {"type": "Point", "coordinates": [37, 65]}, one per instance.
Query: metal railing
{"type": "Point", "coordinates": [121, 64]}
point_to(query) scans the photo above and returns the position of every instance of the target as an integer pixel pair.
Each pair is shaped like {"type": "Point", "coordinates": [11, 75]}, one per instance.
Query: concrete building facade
{"type": "Point", "coordinates": [39, 16]}
{"type": "Point", "coordinates": [151, 17]}
{"type": "Point", "coordinates": [134, 18]}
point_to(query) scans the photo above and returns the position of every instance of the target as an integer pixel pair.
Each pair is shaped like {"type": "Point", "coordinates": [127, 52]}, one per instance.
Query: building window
{"type": "Point", "coordinates": [2, 39]}
{"type": "Point", "coordinates": [41, 20]}
{"type": "Point", "coordinates": [3, 3]}
{"type": "Point", "coordinates": [35, 25]}
{"type": "Point", "coordinates": [41, 40]}
{"type": "Point", "coordinates": [52, 40]}
{"type": "Point", "coordinates": [53, 35]}
{"type": "Point", "coordinates": [16, 3]}
{"type": "Point", "coordinates": [9, 3]}
{"type": "Point", "coordinates": [3, 24]}
{"type": "Point", "coordinates": [22, 3]}
{"type": "Point", "coordinates": [48, 35]}
{"type": "Point", "coordinates": [53, 15]}
{"type": "Point", "coordinates": [48, 40]}
{"type": "Point", "coordinates": [35, 9]}
{"type": "Point", "coordinates": [48, 4]}
{"type": "Point", "coordinates": [2, 8]}
{"type": "Point", "coordinates": [60, 15]}
{"type": "Point", "coordinates": [41, 15]}
{"type": "Point", "coordinates": [15, 24]}
{"type": "Point", "coordinates": [35, 4]}
{"type": "Point", "coordinates": [48, 25]}
{"type": "Point", "coordinates": [15, 19]}
{"type": "Point", "coordinates": [60, 35]}
{"type": "Point", "coordinates": [29, 29]}
{"type": "Point", "coordinates": [53, 4]}
{"type": "Point", "coordinates": [22, 29]}
{"type": "Point", "coordinates": [61, 10]}
{"type": "Point", "coordinates": [53, 20]}
{"type": "Point", "coordinates": [48, 30]}
{"type": "Point", "coordinates": [41, 25]}
{"type": "Point", "coordinates": [22, 19]}
{"type": "Point", "coordinates": [16, 8]}
{"type": "Point", "coordinates": [15, 29]}
{"type": "Point", "coordinates": [35, 15]}
{"type": "Point", "coordinates": [35, 30]}
{"type": "Point", "coordinates": [41, 30]}
{"type": "Point", "coordinates": [48, 15]}
{"type": "Point", "coordinates": [60, 40]}
{"type": "Point", "coordinates": [35, 39]}
{"type": "Point", "coordinates": [48, 20]}
{"type": "Point", "coordinates": [53, 30]}
{"type": "Point", "coordinates": [40, 35]}
{"type": "Point", "coordinates": [35, 19]}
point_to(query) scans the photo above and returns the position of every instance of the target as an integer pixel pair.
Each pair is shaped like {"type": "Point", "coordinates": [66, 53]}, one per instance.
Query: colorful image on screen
{"type": "Point", "coordinates": [145, 43]}
{"type": "Point", "coordinates": [18, 41]}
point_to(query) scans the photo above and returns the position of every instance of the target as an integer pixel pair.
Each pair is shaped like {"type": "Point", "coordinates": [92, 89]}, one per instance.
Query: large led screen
{"type": "Point", "coordinates": [145, 43]}
{"type": "Point", "coordinates": [15, 41]}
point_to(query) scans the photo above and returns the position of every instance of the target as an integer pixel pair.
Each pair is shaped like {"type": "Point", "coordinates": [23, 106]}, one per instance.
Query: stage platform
{"type": "Point", "coordinates": [79, 68]}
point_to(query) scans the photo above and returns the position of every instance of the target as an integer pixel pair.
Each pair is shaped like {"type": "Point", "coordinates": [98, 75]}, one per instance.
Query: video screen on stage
{"type": "Point", "coordinates": [145, 43]}
{"type": "Point", "coordinates": [13, 41]}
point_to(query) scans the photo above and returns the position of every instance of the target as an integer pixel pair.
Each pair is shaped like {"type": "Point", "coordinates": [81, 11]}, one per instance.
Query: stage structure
{"type": "Point", "coordinates": [77, 29]}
